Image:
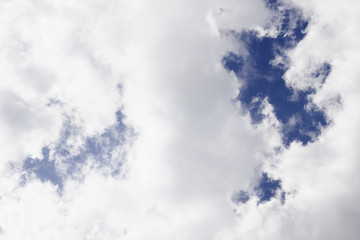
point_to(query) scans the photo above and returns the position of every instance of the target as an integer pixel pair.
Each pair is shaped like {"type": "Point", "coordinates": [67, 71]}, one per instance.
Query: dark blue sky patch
{"type": "Point", "coordinates": [263, 79]}
{"type": "Point", "coordinates": [267, 188]}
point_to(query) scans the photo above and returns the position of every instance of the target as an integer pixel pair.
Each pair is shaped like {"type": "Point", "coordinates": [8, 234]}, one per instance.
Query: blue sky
{"type": "Point", "coordinates": [224, 119]}
{"type": "Point", "coordinates": [263, 79]}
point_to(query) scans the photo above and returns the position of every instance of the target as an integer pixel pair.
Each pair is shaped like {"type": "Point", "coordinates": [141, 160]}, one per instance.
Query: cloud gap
{"type": "Point", "coordinates": [262, 70]}
{"type": "Point", "coordinates": [266, 189]}
{"type": "Point", "coordinates": [66, 161]}
{"type": "Point", "coordinates": [44, 169]}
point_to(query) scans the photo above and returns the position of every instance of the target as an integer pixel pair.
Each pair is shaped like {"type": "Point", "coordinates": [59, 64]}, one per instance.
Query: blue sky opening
{"type": "Point", "coordinates": [264, 80]}
{"type": "Point", "coordinates": [43, 168]}
{"type": "Point", "coordinates": [99, 147]}
{"type": "Point", "coordinates": [268, 188]}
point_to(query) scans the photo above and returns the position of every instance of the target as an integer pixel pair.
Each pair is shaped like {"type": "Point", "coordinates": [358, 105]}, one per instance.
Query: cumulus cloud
{"type": "Point", "coordinates": [134, 96]}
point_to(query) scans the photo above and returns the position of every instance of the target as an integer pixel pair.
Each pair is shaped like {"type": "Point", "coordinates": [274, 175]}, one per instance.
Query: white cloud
{"type": "Point", "coordinates": [194, 148]}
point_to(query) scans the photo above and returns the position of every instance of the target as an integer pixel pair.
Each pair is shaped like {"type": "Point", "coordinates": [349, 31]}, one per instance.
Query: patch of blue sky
{"type": "Point", "coordinates": [100, 148]}
{"type": "Point", "coordinates": [265, 190]}
{"type": "Point", "coordinates": [263, 77]}
{"type": "Point", "coordinates": [43, 168]}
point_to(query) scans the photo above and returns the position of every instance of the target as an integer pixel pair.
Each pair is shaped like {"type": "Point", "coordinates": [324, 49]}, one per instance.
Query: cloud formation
{"type": "Point", "coordinates": [120, 121]}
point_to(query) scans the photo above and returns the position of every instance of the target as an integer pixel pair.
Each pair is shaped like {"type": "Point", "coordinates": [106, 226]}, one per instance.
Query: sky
{"type": "Point", "coordinates": [199, 120]}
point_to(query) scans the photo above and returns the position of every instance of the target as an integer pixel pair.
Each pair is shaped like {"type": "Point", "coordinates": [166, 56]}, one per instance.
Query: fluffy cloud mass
{"type": "Point", "coordinates": [127, 120]}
